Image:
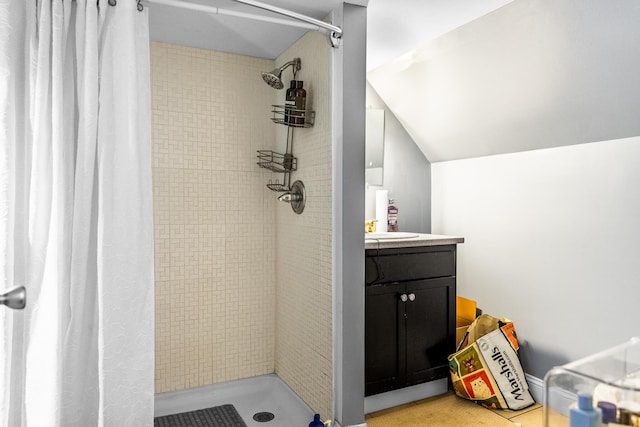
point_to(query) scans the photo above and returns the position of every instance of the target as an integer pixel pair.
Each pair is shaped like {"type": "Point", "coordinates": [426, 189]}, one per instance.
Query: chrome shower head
{"type": "Point", "coordinates": [274, 78]}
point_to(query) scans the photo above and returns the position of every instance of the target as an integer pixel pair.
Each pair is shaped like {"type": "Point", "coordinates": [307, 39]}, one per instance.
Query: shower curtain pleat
{"type": "Point", "coordinates": [76, 214]}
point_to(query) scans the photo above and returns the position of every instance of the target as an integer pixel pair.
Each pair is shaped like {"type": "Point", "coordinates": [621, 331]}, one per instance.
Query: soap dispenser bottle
{"type": "Point", "coordinates": [392, 216]}
{"type": "Point", "coordinates": [316, 421]}
{"type": "Point", "coordinates": [300, 101]}
{"type": "Point", "coordinates": [289, 102]}
{"type": "Point", "coordinates": [584, 414]}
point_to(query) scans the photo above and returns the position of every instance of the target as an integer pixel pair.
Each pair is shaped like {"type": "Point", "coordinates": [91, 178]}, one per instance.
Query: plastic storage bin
{"type": "Point", "coordinates": [611, 376]}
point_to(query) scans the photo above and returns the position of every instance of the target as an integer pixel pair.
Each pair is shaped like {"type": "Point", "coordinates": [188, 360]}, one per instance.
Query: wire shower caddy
{"type": "Point", "coordinates": [285, 163]}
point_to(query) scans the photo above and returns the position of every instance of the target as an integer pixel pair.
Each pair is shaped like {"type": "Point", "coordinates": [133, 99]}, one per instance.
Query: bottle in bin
{"type": "Point", "coordinates": [300, 101]}
{"type": "Point", "coordinates": [290, 102]}
{"type": "Point", "coordinates": [584, 414]}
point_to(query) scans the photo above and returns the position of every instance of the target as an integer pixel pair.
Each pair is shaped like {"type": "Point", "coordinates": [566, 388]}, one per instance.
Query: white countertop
{"type": "Point", "coordinates": [409, 242]}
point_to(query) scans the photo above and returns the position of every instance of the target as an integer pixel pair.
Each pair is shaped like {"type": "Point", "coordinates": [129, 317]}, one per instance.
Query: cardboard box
{"type": "Point", "coordinates": [461, 328]}
{"type": "Point", "coordinates": [466, 311]}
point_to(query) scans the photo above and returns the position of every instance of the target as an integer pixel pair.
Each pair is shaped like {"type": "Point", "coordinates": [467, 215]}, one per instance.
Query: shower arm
{"type": "Point", "coordinates": [296, 66]}
{"type": "Point", "coordinates": [335, 33]}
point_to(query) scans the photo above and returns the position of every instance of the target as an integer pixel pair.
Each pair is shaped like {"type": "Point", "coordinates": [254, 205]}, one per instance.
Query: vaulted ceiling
{"type": "Point", "coordinates": [467, 78]}
{"type": "Point", "coordinates": [532, 74]}
{"type": "Point", "coordinates": [394, 26]}
{"type": "Point", "coordinates": [234, 34]}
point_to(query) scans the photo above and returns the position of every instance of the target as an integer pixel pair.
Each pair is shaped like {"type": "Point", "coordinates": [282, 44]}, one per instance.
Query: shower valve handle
{"type": "Point", "coordinates": [290, 197]}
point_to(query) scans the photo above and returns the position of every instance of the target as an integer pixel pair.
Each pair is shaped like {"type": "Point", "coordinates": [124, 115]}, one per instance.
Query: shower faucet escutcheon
{"type": "Point", "coordinates": [296, 196]}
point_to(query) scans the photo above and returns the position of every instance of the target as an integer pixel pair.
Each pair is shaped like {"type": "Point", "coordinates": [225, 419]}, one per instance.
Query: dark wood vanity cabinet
{"type": "Point", "coordinates": [410, 296]}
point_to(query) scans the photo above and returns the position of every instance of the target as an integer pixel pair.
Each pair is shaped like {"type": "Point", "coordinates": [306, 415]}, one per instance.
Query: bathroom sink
{"type": "Point", "coordinates": [393, 235]}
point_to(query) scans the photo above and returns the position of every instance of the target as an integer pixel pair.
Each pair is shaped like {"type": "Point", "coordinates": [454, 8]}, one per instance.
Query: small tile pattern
{"type": "Point", "coordinates": [214, 218]}
{"type": "Point", "coordinates": [243, 285]}
{"type": "Point", "coordinates": [304, 344]}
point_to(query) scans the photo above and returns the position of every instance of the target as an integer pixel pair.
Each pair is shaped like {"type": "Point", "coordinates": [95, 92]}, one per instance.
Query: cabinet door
{"type": "Point", "coordinates": [430, 333]}
{"type": "Point", "coordinates": [384, 338]}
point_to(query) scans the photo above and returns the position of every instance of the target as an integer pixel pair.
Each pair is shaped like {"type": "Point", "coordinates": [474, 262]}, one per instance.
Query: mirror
{"type": "Point", "coordinates": [374, 142]}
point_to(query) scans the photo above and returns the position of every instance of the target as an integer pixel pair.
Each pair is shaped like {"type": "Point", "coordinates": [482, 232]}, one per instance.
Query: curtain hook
{"type": "Point", "coordinates": [140, 7]}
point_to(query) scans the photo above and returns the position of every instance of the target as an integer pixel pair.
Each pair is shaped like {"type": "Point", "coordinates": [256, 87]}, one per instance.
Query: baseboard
{"type": "Point", "coordinates": [560, 400]}
{"type": "Point", "coordinates": [536, 387]}
{"type": "Point", "coordinates": [381, 401]}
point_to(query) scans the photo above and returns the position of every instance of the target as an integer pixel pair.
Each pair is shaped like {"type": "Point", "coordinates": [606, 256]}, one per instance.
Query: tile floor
{"type": "Point", "coordinates": [449, 410]}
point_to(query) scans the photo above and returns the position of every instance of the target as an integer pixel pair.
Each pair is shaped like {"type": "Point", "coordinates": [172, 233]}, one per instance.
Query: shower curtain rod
{"type": "Point", "coordinates": [335, 33]}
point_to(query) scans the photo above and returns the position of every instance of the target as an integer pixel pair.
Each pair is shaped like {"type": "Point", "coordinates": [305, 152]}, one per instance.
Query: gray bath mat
{"type": "Point", "coordinates": [218, 416]}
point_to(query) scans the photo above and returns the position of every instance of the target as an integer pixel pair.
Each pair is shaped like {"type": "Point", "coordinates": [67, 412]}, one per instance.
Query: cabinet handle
{"type": "Point", "coordinates": [412, 296]}
{"type": "Point", "coordinates": [404, 298]}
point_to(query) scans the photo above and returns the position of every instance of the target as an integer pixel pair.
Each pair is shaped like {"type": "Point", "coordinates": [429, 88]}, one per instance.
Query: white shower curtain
{"type": "Point", "coordinates": [76, 214]}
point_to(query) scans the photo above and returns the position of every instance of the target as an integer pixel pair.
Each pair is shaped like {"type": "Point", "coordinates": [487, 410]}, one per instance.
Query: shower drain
{"type": "Point", "coordinates": [263, 417]}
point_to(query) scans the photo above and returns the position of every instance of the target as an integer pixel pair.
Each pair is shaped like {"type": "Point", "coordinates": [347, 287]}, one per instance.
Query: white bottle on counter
{"type": "Point", "coordinates": [382, 200]}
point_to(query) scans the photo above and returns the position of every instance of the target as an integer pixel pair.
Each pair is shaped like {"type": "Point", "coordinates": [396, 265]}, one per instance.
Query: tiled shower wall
{"type": "Point", "coordinates": [243, 284]}
{"type": "Point", "coordinates": [304, 345]}
{"type": "Point", "coordinates": [214, 219]}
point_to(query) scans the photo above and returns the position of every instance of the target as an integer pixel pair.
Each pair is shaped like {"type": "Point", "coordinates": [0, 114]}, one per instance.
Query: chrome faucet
{"type": "Point", "coordinates": [295, 196]}
{"type": "Point", "coordinates": [290, 197]}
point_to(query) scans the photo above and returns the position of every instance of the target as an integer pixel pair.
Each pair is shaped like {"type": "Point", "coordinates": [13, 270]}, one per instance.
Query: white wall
{"type": "Point", "coordinates": [533, 74]}
{"type": "Point", "coordinates": [552, 241]}
{"type": "Point", "coordinates": [407, 174]}
{"type": "Point", "coordinates": [393, 32]}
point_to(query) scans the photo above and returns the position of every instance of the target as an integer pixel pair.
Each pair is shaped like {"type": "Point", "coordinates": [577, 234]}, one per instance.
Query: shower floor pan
{"type": "Point", "coordinates": [266, 393]}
